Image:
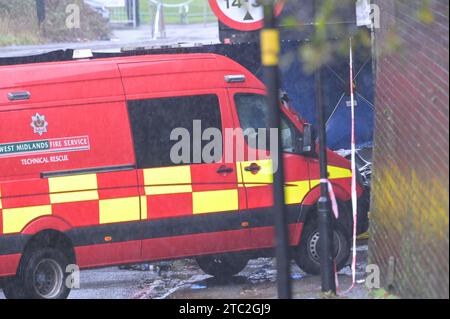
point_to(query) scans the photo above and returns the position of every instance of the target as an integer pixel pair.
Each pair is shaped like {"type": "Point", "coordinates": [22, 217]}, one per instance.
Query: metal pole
{"type": "Point", "coordinates": [134, 13]}
{"type": "Point", "coordinates": [327, 271]}
{"type": "Point", "coordinates": [156, 22]}
{"type": "Point", "coordinates": [270, 49]}
{"type": "Point", "coordinates": [205, 12]}
{"type": "Point", "coordinates": [162, 21]}
{"type": "Point", "coordinates": [151, 17]}
{"type": "Point", "coordinates": [138, 13]}
{"type": "Point", "coordinates": [323, 206]}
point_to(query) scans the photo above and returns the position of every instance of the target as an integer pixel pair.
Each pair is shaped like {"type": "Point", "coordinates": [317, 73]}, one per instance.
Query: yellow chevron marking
{"type": "Point", "coordinates": [334, 173]}
{"type": "Point", "coordinates": [339, 172]}
{"type": "Point", "coordinates": [294, 192]}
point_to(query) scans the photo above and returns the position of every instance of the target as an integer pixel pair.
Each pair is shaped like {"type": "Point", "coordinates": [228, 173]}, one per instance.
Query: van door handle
{"type": "Point", "coordinates": [18, 96]}
{"type": "Point", "coordinates": [253, 168]}
{"type": "Point", "coordinates": [224, 170]}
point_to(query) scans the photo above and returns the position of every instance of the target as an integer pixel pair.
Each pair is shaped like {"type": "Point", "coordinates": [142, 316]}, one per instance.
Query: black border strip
{"type": "Point", "coordinates": [13, 244]}
{"type": "Point", "coordinates": [160, 228]}
{"type": "Point", "coordinates": [95, 170]}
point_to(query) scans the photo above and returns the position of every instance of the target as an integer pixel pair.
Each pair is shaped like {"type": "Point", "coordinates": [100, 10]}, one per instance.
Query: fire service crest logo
{"type": "Point", "coordinates": [39, 124]}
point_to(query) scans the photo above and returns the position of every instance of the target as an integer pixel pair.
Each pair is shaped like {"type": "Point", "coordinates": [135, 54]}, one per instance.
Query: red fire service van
{"type": "Point", "coordinates": [86, 176]}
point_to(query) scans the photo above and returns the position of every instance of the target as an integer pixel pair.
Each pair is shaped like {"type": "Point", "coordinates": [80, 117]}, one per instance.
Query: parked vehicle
{"type": "Point", "coordinates": [363, 163]}
{"type": "Point", "coordinates": [87, 178]}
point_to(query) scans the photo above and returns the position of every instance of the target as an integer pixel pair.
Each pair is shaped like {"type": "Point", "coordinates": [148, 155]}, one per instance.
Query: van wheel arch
{"type": "Point", "coordinates": [345, 211]}
{"type": "Point", "coordinates": [52, 239]}
{"type": "Point", "coordinates": [345, 215]}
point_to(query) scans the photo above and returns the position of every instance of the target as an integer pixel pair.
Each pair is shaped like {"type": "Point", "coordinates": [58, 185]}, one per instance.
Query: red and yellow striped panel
{"type": "Point", "coordinates": [167, 205]}
{"type": "Point", "coordinates": [22, 202]}
{"type": "Point", "coordinates": [167, 192]}
{"type": "Point", "coordinates": [259, 186]}
{"type": "Point", "coordinates": [334, 173]}
{"type": "Point", "coordinates": [215, 201]}
{"type": "Point", "coordinates": [168, 180]}
{"type": "Point", "coordinates": [119, 199]}
{"type": "Point", "coordinates": [78, 214]}
{"type": "Point", "coordinates": [119, 210]}
{"type": "Point", "coordinates": [91, 199]}
{"type": "Point", "coordinates": [1, 220]}
{"type": "Point", "coordinates": [34, 192]}
{"type": "Point", "coordinates": [76, 188]}
{"type": "Point", "coordinates": [75, 199]}
{"type": "Point", "coordinates": [81, 200]}
{"type": "Point", "coordinates": [186, 190]}
{"type": "Point", "coordinates": [263, 178]}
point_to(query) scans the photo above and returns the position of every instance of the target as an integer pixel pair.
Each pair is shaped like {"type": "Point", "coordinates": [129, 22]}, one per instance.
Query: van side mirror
{"type": "Point", "coordinates": [308, 146]}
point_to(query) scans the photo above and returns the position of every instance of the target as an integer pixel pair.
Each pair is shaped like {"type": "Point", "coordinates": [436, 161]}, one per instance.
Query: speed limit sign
{"type": "Point", "coordinates": [244, 15]}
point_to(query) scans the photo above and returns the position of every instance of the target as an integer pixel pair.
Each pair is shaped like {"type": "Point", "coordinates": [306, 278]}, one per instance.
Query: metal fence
{"type": "Point", "coordinates": [135, 12]}
{"type": "Point", "coordinates": [124, 13]}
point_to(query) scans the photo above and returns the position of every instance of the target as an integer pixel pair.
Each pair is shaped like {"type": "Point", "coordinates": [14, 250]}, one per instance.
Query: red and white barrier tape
{"type": "Point", "coordinates": [353, 186]}
{"type": "Point", "coordinates": [353, 150]}
{"type": "Point", "coordinates": [335, 209]}
{"type": "Point", "coordinates": [334, 204]}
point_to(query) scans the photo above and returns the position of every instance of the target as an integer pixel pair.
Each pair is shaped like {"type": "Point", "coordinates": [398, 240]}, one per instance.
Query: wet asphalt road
{"type": "Point", "coordinates": [184, 280]}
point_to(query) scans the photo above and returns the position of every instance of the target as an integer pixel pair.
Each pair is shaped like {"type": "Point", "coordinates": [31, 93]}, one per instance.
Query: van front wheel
{"type": "Point", "coordinates": [222, 266]}
{"type": "Point", "coordinates": [41, 275]}
{"type": "Point", "coordinates": [14, 290]}
{"type": "Point", "coordinates": [307, 254]}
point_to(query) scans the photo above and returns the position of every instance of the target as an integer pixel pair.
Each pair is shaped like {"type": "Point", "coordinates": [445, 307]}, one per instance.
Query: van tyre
{"type": "Point", "coordinates": [14, 290]}
{"type": "Point", "coordinates": [41, 275]}
{"type": "Point", "coordinates": [307, 252]}
{"type": "Point", "coordinates": [222, 266]}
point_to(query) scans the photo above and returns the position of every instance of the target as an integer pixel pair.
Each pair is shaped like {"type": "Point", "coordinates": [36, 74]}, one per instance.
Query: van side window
{"type": "Point", "coordinates": [153, 121]}
{"type": "Point", "coordinates": [252, 111]}
{"type": "Point", "coordinates": [288, 135]}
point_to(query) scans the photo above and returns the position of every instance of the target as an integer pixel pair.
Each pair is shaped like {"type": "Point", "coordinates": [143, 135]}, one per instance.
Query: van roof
{"type": "Point", "coordinates": [117, 60]}
{"type": "Point", "coordinates": [24, 76]}
{"type": "Point", "coordinates": [75, 66]}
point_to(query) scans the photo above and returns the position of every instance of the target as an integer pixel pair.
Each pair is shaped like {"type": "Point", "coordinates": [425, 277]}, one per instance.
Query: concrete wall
{"type": "Point", "coordinates": [410, 204]}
